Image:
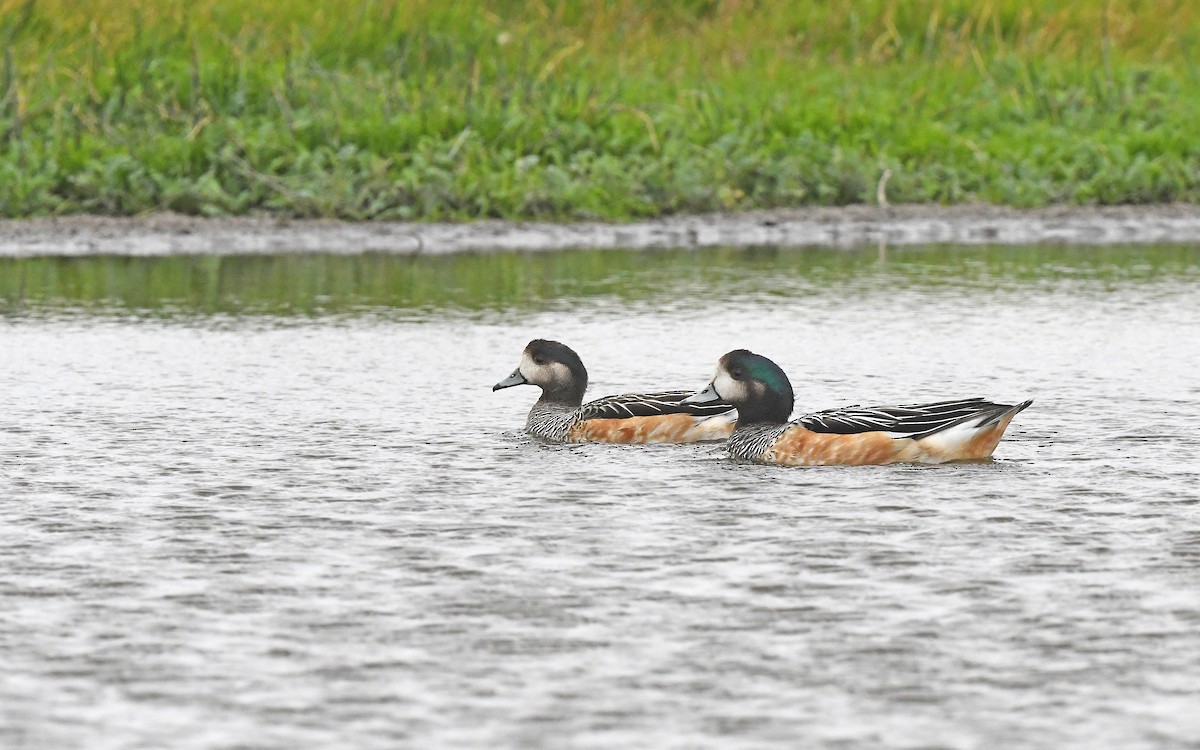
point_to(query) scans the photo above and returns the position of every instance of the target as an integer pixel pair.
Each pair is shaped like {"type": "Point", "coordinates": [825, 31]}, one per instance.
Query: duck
{"type": "Point", "coordinates": [561, 416]}
{"type": "Point", "coordinates": [957, 430]}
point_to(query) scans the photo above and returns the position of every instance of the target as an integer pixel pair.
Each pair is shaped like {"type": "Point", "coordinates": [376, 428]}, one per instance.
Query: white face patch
{"type": "Point", "coordinates": [559, 373]}
{"type": "Point", "coordinates": [527, 367]}
{"type": "Point", "coordinates": [728, 388]}
{"type": "Point", "coordinates": [550, 373]}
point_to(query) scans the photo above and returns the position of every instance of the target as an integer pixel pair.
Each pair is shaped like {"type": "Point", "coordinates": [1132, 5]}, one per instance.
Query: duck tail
{"type": "Point", "coordinates": [973, 438]}
{"type": "Point", "coordinates": [1005, 413]}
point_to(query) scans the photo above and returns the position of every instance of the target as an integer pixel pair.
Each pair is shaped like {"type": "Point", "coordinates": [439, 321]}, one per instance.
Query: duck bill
{"type": "Point", "coordinates": [706, 396]}
{"type": "Point", "coordinates": [515, 379]}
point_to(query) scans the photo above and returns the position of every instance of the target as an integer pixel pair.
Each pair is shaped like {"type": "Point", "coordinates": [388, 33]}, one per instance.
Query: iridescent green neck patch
{"type": "Point", "coordinates": [768, 372]}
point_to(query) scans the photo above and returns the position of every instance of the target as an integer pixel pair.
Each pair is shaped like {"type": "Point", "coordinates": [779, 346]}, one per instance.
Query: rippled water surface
{"type": "Point", "coordinates": [273, 502]}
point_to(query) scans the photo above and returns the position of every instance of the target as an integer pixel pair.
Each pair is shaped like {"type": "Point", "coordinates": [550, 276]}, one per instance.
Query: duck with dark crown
{"type": "Point", "coordinates": [965, 429]}
{"type": "Point", "coordinates": [561, 416]}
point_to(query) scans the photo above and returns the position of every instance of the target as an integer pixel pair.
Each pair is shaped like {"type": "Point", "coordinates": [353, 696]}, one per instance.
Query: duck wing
{"type": "Point", "coordinates": [629, 405]}
{"type": "Point", "coordinates": [911, 421]}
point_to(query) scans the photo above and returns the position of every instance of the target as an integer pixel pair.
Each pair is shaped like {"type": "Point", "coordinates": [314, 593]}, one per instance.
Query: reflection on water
{"type": "Point", "coordinates": [272, 502]}
{"type": "Point", "coordinates": [338, 283]}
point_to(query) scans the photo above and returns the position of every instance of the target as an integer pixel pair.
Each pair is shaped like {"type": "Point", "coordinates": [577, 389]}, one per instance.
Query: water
{"type": "Point", "coordinates": [273, 503]}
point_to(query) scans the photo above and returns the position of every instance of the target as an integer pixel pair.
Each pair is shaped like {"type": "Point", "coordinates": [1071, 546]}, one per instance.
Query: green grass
{"type": "Point", "coordinates": [606, 109]}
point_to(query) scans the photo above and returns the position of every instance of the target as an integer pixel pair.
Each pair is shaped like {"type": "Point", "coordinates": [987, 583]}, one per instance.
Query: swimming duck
{"type": "Point", "coordinates": [967, 429]}
{"type": "Point", "coordinates": [561, 416]}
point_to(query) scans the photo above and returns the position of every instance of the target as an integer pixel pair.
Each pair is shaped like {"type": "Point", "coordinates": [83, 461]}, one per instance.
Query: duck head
{"type": "Point", "coordinates": [754, 384]}
{"type": "Point", "coordinates": [553, 367]}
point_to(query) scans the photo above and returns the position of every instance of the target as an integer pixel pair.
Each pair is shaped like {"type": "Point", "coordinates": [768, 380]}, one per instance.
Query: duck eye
{"type": "Point", "coordinates": [736, 373]}
{"type": "Point", "coordinates": [539, 360]}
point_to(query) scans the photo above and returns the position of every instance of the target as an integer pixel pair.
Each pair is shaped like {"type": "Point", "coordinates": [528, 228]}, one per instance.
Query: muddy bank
{"type": "Point", "coordinates": [850, 226]}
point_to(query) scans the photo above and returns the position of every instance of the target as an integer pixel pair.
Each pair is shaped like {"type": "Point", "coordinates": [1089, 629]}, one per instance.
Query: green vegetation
{"type": "Point", "coordinates": [385, 284]}
{"type": "Point", "coordinates": [428, 109]}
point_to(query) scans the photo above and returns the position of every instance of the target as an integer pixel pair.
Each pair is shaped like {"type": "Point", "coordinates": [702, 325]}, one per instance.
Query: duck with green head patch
{"type": "Point", "coordinates": [561, 416]}
{"type": "Point", "coordinates": [963, 429]}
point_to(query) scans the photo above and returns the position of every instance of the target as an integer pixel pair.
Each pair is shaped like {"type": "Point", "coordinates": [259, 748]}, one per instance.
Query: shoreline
{"type": "Point", "coordinates": [844, 227]}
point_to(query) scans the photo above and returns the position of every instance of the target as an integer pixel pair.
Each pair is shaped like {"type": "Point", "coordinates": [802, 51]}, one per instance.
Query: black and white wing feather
{"type": "Point", "coordinates": [649, 405]}
{"type": "Point", "coordinates": [913, 421]}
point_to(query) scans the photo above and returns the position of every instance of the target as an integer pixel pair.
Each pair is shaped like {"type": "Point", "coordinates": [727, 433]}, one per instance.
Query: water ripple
{"type": "Point", "coordinates": [222, 532]}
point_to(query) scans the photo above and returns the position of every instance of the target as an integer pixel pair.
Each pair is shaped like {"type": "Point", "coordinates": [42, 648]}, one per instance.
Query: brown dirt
{"type": "Point", "coordinates": [848, 226]}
